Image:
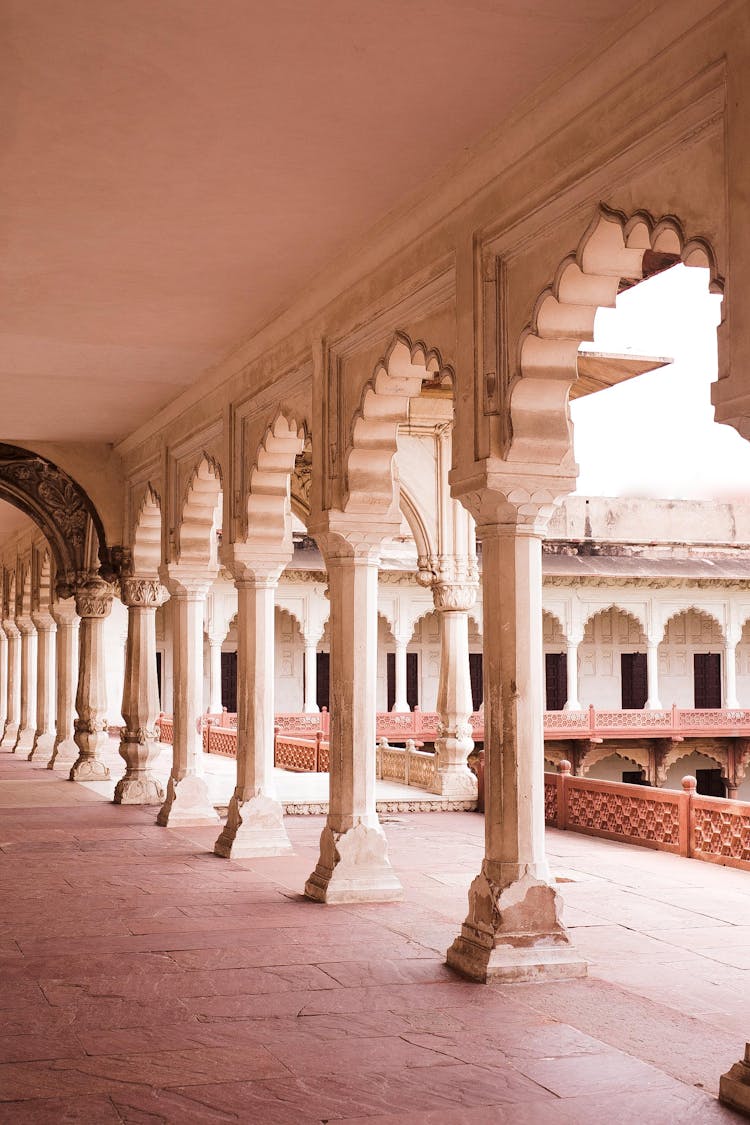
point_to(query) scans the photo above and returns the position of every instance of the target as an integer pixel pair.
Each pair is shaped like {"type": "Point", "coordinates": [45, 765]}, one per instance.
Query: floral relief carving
{"type": "Point", "coordinates": [142, 592]}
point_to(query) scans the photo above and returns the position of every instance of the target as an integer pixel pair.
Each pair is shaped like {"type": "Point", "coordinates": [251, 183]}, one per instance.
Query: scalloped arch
{"type": "Point", "coordinates": [23, 594]}
{"type": "Point", "coordinates": [555, 617]}
{"type": "Point", "coordinates": [636, 755]}
{"type": "Point", "coordinates": [200, 511]}
{"type": "Point", "coordinates": [700, 611]}
{"type": "Point", "coordinates": [268, 507]}
{"type": "Point", "coordinates": [146, 550]}
{"type": "Point", "coordinates": [684, 751]}
{"type": "Point", "coordinates": [371, 483]}
{"type": "Point", "coordinates": [615, 249]}
{"type": "Point", "coordinates": [627, 612]}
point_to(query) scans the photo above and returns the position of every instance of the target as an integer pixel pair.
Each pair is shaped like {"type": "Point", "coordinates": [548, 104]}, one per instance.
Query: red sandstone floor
{"type": "Point", "coordinates": [144, 981]}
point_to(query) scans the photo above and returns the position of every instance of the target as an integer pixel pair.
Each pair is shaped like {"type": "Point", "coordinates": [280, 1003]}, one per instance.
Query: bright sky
{"type": "Point", "coordinates": [655, 435]}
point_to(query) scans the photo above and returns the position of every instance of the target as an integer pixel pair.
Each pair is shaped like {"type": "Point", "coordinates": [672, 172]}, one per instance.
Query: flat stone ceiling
{"type": "Point", "coordinates": [173, 173]}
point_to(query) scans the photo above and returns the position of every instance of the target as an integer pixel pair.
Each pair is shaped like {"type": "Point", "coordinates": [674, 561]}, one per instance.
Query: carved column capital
{"type": "Point", "coordinates": [187, 582]}
{"type": "Point", "coordinates": [25, 625]}
{"type": "Point", "coordinates": [10, 628]}
{"type": "Point", "coordinates": [452, 596]}
{"type": "Point", "coordinates": [44, 622]}
{"type": "Point", "coordinates": [64, 612]}
{"type": "Point", "coordinates": [145, 593]}
{"type": "Point", "coordinates": [93, 596]}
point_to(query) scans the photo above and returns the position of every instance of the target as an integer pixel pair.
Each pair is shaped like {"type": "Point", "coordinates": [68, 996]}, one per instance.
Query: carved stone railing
{"type": "Point", "coordinates": [708, 828]}
{"type": "Point", "coordinates": [406, 764]}
{"type": "Point", "coordinates": [302, 755]}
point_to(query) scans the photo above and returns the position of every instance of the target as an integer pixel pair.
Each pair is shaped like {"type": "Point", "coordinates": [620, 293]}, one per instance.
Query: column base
{"type": "Point", "coordinates": [64, 755]}
{"type": "Point", "coordinates": [10, 734]}
{"type": "Point", "coordinates": [187, 804]}
{"type": "Point", "coordinates": [458, 784]}
{"type": "Point", "coordinates": [24, 743]}
{"type": "Point", "coordinates": [514, 933]}
{"type": "Point", "coordinates": [89, 769]}
{"type": "Point", "coordinates": [145, 789]}
{"type": "Point", "coordinates": [254, 828]}
{"type": "Point", "coordinates": [44, 744]}
{"type": "Point", "coordinates": [734, 1086]}
{"type": "Point", "coordinates": [353, 867]}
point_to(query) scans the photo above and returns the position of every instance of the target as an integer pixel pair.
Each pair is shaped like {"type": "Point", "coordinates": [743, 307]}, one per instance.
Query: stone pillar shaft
{"type": "Point", "coordinates": [27, 726]}
{"type": "Point", "coordinates": [13, 694]}
{"type": "Point", "coordinates": [214, 675]}
{"type": "Point", "coordinates": [353, 864]}
{"type": "Point", "coordinates": [139, 741]}
{"type": "Point", "coordinates": [187, 801]}
{"type": "Point", "coordinates": [65, 751]}
{"type": "Point", "coordinates": [400, 702]}
{"type": "Point", "coordinates": [572, 702]}
{"type": "Point", "coordinates": [3, 680]}
{"type": "Point", "coordinates": [454, 779]}
{"type": "Point", "coordinates": [255, 821]}
{"type": "Point", "coordinates": [653, 703]}
{"type": "Point", "coordinates": [93, 604]}
{"type": "Point", "coordinates": [730, 675]}
{"type": "Point", "coordinates": [513, 930]}
{"type": "Point", "coordinates": [44, 737]}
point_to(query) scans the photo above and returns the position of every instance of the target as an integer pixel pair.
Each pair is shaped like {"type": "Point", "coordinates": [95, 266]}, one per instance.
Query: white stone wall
{"type": "Point", "coordinates": [607, 635]}
{"type": "Point", "coordinates": [686, 634]}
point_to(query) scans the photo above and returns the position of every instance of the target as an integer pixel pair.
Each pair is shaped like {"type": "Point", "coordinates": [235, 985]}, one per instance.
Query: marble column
{"type": "Point", "coordinates": [454, 743]}
{"type": "Point", "coordinates": [513, 930]}
{"type": "Point", "coordinates": [3, 680]}
{"type": "Point", "coordinates": [214, 674]}
{"type": "Point", "coordinates": [255, 821]}
{"type": "Point", "coordinates": [188, 802]}
{"type": "Point", "coordinates": [572, 702]}
{"type": "Point", "coordinates": [93, 600]}
{"type": "Point", "coordinates": [353, 865]}
{"type": "Point", "coordinates": [730, 672]}
{"type": "Point", "coordinates": [653, 703]}
{"type": "Point", "coordinates": [44, 736]}
{"type": "Point", "coordinates": [310, 705]}
{"type": "Point", "coordinates": [13, 692]}
{"type": "Point", "coordinates": [27, 726]}
{"type": "Point", "coordinates": [65, 751]}
{"type": "Point", "coordinates": [139, 740]}
{"type": "Point", "coordinates": [400, 702]}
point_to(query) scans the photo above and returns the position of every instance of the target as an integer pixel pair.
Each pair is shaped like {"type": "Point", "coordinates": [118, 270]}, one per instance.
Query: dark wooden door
{"type": "Point", "coordinates": [229, 681]}
{"type": "Point", "coordinates": [556, 680]}
{"type": "Point", "coordinates": [634, 680]}
{"type": "Point", "coordinates": [476, 674]}
{"type": "Point", "coordinates": [634, 777]}
{"type": "Point", "coordinates": [710, 783]}
{"type": "Point", "coordinates": [323, 686]}
{"type": "Point", "coordinates": [707, 679]}
{"type": "Point", "coordinates": [158, 678]}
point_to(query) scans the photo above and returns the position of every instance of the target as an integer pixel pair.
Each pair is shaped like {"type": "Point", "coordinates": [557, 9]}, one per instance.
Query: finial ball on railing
{"type": "Point", "coordinates": [564, 766]}
{"type": "Point", "coordinates": [689, 784]}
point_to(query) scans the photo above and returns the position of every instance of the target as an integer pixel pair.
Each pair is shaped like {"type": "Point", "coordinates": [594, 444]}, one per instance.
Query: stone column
{"type": "Point", "coordinates": [139, 741]}
{"type": "Point", "coordinates": [513, 930]}
{"type": "Point", "coordinates": [27, 726]}
{"type": "Point", "coordinates": [310, 706]}
{"type": "Point", "coordinates": [454, 779]}
{"type": "Point", "coordinates": [44, 737]}
{"type": "Point", "coordinates": [65, 751]}
{"type": "Point", "coordinates": [255, 821]}
{"type": "Point", "coordinates": [13, 695]}
{"type": "Point", "coordinates": [188, 801]}
{"type": "Point", "coordinates": [214, 674]}
{"type": "Point", "coordinates": [93, 599]}
{"type": "Point", "coordinates": [3, 680]}
{"type": "Point", "coordinates": [653, 702]}
{"type": "Point", "coordinates": [572, 703]}
{"type": "Point", "coordinates": [353, 864]}
{"type": "Point", "coordinates": [400, 702]}
{"type": "Point", "coordinates": [730, 672]}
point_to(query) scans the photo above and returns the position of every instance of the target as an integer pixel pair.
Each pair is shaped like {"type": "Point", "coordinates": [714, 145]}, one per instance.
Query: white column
{"type": "Point", "coordinates": [653, 702]}
{"type": "Point", "coordinates": [454, 779]}
{"type": "Point", "coordinates": [65, 751]}
{"type": "Point", "coordinates": [730, 672]}
{"type": "Point", "coordinates": [255, 820]}
{"type": "Point", "coordinates": [188, 801]}
{"type": "Point", "coordinates": [27, 726]}
{"type": "Point", "coordinates": [13, 695]}
{"type": "Point", "coordinates": [572, 702]}
{"type": "Point", "coordinates": [400, 702]}
{"type": "Point", "coordinates": [214, 673]}
{"type": "Point", "coordinates": [310, 706]}
{"type": "Point", "coordinates": [353, 865]}
{"type": "Point", "coordinates": [3, 680]}
{"type": "Point", "coordinates": [44, 737]}
{"type": "Point", "coordinates": [513, 929]}
{"type": "Point", "coordinates": [139, 741]}
{"type": "Point", "coordinates": [93, 599]}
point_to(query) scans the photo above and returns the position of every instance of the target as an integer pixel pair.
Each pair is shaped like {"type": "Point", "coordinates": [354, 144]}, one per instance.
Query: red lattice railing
{"type": "Point", "coordinates": [708, 828]}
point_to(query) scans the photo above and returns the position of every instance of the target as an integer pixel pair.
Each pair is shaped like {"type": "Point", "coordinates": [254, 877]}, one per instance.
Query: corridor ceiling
{"type": "Point", "coordinates": [175, 172]}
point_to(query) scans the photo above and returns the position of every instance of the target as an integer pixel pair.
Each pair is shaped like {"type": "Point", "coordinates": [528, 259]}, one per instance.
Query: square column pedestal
{"type": "Point", "coordinates": [513, 931]}
{"type": "Point", "coordinates": [353, 864]}
{"type": "Point", "coordinates": [734, 1086]}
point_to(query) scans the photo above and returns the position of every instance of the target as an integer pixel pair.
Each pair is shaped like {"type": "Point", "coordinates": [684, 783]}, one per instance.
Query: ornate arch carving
{"type": "Point", "coordinates": [146, 549]}
{"type": "Point", "coordinates": [60, 508]}
{"type": "Point", "coordinates": [591, 757]}
{"type": "Point", "coordinates": [268, 507]}
{"type": "Point", "coordinates": [625, 611]}
{"type": "Point", "coordinates": [370, 485]}
{"type": "Point", "coordinates": [700, 611]}
{"type": "Point", "coordinates": [615, 252]}
{"type": "Point", "coordinates": [198, 524]}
